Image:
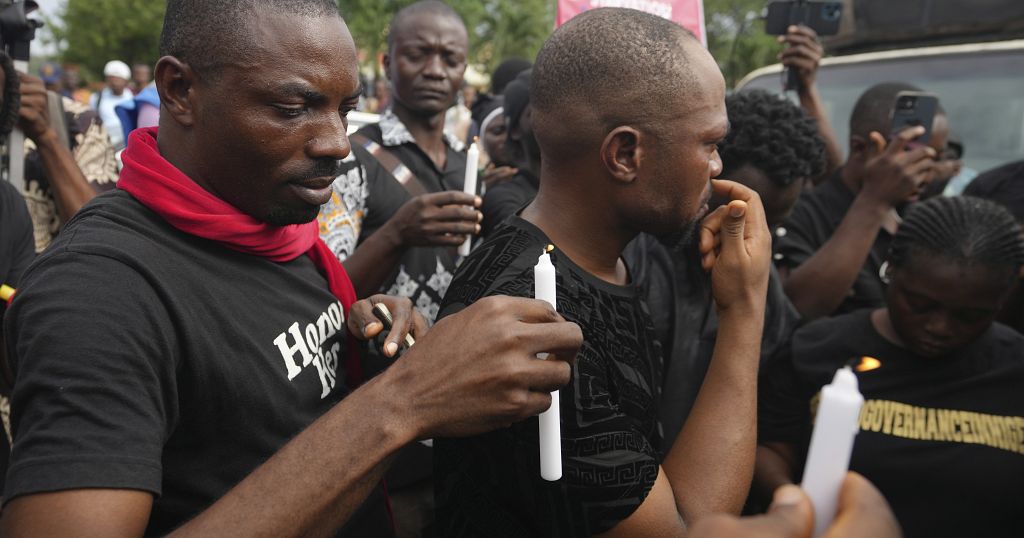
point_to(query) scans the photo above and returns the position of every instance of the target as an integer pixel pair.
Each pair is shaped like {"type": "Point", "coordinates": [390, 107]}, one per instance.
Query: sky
{"type": "Point", "coordinates": [49, 8]}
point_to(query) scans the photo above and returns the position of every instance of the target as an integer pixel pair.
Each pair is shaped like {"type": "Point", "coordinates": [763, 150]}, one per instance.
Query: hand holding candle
{"type": "Point", "coordinates": [469, 185]}
{"type": "Point", "coordinates": [550, 420]}
{"type": "Point", "coordinates": [828, 457]}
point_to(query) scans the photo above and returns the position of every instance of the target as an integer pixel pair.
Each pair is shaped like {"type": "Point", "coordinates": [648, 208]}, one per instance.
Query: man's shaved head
{"type": "Point", "coordinates": [424, 7]}
{"type": "Point", "coordinates": [191, 27]}
{"type": "Point", "coordinates": [873, 110]}
{"type": "Point", "coordinates": [618, 65]}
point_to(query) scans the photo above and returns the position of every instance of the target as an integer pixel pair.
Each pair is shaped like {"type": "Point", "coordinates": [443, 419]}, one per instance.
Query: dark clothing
{"type": "Point", "coordinates": [1004, 184]}
{"type": "Point", "coordinates": [678, 292]}
{"type": "Point", "coordinates": [490, 485]}
{"type": "Point", "coordinates": [940, 437]}
{"type": "Point", "coordinates": [506, 199]}
{"type": "Point", "coordinates": [16, 253]}
{"type": "Point", "coordinates": [16, 242]}
{"type": "Point", "coordinates": [147, 358]}
{"type": "Point", "coordinates": [814, 219]}
{"type": "Point", "coordinates": [424, 272]}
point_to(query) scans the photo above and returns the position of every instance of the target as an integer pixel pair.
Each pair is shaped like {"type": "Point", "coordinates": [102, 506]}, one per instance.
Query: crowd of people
{"type": "Point", "coordinates": [191, 332]}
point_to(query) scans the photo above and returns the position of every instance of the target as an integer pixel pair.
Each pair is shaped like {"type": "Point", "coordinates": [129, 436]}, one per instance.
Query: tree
{"type": "Point", "coordinates": [93, 32]}
{"type": "Point", "coordinates": [736, 37]}
{"type": "Point", "coordinates": [498, 29]}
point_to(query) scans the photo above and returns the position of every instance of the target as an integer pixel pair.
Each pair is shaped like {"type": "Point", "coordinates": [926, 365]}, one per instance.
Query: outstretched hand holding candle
{"type": "Point", "coordinates": [493, 379]}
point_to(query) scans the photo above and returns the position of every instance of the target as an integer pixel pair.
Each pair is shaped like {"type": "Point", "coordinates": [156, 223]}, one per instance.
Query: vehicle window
{"type": "Point", "coordinates": [982, 93]}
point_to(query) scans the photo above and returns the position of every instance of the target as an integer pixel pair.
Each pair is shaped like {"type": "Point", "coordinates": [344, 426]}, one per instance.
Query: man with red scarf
{"type": "Point", "coordinates": [182, 352]}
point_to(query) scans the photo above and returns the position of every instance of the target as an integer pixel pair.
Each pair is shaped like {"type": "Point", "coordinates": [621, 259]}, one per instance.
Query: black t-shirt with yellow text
{"type": "Point", "coordinates": [942, 439]}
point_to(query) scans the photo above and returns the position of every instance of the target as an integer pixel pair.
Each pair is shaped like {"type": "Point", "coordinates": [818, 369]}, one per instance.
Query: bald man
{"type": "Point", "coordinates": [203, 382]}
{"type": "Point", "coordinates": [628, 137]}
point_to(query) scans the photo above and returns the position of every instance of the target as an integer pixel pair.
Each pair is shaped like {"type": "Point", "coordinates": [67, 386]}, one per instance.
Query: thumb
{"type": "Point", "coordinates": [734, 223]}
{"type": "Point", "coordinates": [791, 509]}
{"type": "Point", "coordinates": [876, 143]}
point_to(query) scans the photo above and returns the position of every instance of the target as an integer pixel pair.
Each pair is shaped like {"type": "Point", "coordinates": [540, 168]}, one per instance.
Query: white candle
{"type": "Point", "coordinates": [828, 457]}
{"type": "Point", "coordinates": [469, 186]}
{"type": "Point", "coordinates": [550, 420]}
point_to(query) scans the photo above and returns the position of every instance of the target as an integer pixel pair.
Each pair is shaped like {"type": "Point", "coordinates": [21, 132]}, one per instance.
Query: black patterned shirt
{"type": "Point", "coordinates": [490, 485]}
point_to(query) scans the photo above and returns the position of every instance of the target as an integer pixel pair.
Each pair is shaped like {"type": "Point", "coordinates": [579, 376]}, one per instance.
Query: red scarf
{"type": "Point", "coordinates": [168, 192]}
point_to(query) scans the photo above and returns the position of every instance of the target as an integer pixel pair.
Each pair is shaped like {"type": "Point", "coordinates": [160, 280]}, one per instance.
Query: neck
{"type": "Point", "coordinates": [171, 147]}
{"type": "Point", "coordinates": [883, 324]}
{"type": "Point", "coordinates": [426, 129]}
{"type": "Point", "coordinates": [580, 226]}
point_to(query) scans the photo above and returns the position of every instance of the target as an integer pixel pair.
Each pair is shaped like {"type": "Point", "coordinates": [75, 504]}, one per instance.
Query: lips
{"type": "Point", "coordinates": [315, 191]}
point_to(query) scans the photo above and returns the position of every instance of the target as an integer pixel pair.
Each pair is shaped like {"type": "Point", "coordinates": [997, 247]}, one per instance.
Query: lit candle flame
{"type": "Point", "coordinates": [549, 248]}
{"type": "Point", "coordinates": [867, 364]}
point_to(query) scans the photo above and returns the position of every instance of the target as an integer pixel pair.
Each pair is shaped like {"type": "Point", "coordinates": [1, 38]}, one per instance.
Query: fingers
{"type": "Point", "coordinates": [903, 139]}
{"type": "Point", "coordinates": [518, 308]}
{"type": "Point", "coordinates": [737, 191]}
{"type": "Point", "coordinates": [455, 213]}
{"type": "Point", "coordinates": [862, 512]}
{"type": "Point", "coordinates": [402, 316]}
{"type": "Point", "coordinates": [544, 376]}
{"type": "Point", "coordinates": [561, 339]}
{"type": "Point", "coordinates": [876, 144]}
{"type": "Point", "coordinates": [735, 221]}
{"type": "Point", "coordinates": [361, 321]}
{"type": "Point", "coordinates": [451, 198]}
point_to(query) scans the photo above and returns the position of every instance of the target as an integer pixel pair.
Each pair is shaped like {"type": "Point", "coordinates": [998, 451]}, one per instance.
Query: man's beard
{"type": "Point", "coordinates": [284, 216]}
{"type": "Point", "coordinates": [681, 239]}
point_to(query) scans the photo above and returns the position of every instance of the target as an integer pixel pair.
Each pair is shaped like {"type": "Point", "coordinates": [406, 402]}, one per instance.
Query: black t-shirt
{"type": "Point", "coordinates": [678, 292]}
{"type": "Point", "coordinates": [490, 485]}
{"type": "Point", "coordinates": [146, 358]}
{"type": "Point", "coordinates": [814, 219]}
{"type": "Point", "coordinates": [17, 247]}
{"type": "Point", "coordinates": [1004, 184]}
{"type": "Point", "coordinates": [943, 439]}
{"type": "Point", "coordinates": [16, 253]}
{"type": "Point", "coordinates": [506, 199]}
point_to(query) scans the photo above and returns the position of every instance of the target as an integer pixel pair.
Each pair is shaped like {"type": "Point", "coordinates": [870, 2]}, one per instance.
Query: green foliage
{"type": "Point", "coordinates": [93, 32]}
{"type": "Point", "coordinates": [498, 29]}
{"type": "Point", "coordinates": [736, 37]}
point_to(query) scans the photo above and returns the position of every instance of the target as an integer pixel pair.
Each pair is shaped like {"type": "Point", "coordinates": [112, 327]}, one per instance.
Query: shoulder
{"type": "Point", "coordinates": [501, 265]}
{"type": "Point", "coordinates": [371, 132]}
{"type": "Point", "coordinates": [1001, 345]}
{"type": "Point", "coordinates": [828, 343]}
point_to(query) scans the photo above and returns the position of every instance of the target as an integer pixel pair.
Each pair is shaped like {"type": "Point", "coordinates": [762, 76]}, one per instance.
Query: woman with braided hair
{"type": "Point", "coordinates": [942, 427]}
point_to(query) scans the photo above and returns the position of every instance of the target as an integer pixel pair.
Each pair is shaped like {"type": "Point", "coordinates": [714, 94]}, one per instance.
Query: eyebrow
{"type": "Point", "coordinates": [356, 94]}
{"type": "Point", "coordinates": [300, 90]}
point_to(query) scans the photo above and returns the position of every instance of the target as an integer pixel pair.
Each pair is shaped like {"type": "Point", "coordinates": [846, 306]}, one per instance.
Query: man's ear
{"type": "Point", "coordinates": [176, 84]}
{"type": "Point", "coordinates": [621, 153]}
{"type": "Point", "coordinates": [386, 63]}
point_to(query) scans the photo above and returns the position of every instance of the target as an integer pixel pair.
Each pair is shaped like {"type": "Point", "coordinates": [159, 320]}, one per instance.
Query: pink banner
{"type": "Point", "coordinates": [687, 13]}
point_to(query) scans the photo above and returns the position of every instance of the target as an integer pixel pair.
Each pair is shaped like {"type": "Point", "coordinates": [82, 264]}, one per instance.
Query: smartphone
{"type": "Point", "coordinates": [822, 17]}
{"type": "Point", "coordinates": [911, 110]}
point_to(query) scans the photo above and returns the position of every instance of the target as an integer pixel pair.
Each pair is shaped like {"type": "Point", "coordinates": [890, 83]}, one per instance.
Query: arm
{"type": "Point", "coordinates": [71, 189]}
{"type": "Point", "coordinates": [709, 467]}
{"type": "Point", "coordinates": [803, 52]}
{"type": "Point", "coordinates": [437, 219]}
{"type": "Point", "coordinates": [775, 466]}
{"type": "Point", "coordinates": [890, 176]}
{"type": "Point", "coordinates": [497, 380]}
{"type": "Point", "coordinates": [862, 513]}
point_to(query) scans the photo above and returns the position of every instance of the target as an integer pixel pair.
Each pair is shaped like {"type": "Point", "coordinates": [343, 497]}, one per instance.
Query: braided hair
{"type": "Point", "coordinates": [963, 229]}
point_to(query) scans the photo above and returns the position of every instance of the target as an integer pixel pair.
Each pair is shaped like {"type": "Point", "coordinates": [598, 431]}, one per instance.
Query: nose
{"type": "Point", "coordinates": [938, 325]}
{"type": "Point", "coordinates": [715, 166]}
{"type": "Point", "coordinates": [434, 68]}
{"type": "Point", "coordinates": [331, 140]}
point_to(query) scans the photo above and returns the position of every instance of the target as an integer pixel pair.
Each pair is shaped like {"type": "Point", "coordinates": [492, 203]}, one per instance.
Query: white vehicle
{"type": "Point", "coordinates": [980, 85]}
